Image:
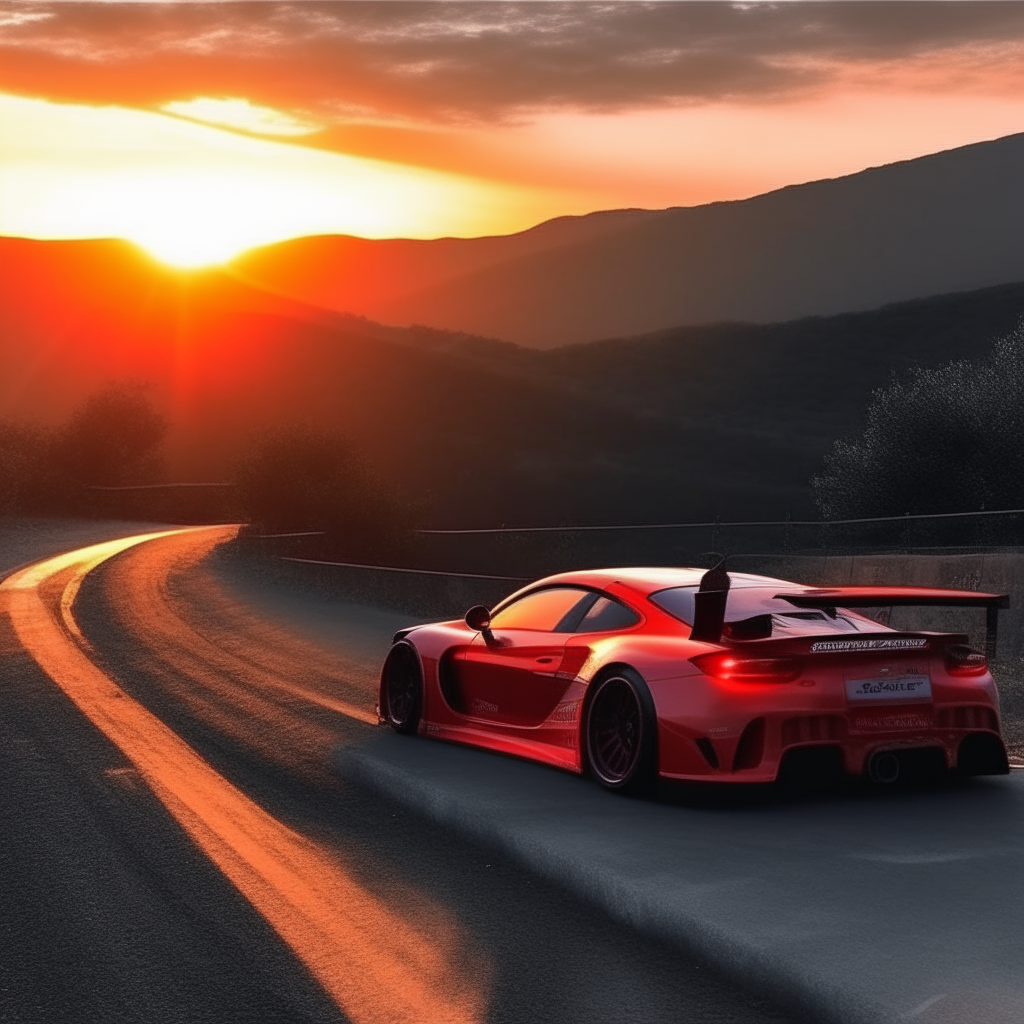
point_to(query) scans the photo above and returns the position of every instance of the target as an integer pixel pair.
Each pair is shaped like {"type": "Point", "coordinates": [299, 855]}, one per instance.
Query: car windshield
{"type": "Point", "coordinates": [787, 619]}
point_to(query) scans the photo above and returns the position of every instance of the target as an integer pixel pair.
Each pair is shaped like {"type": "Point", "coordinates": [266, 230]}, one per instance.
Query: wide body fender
{"type": "Point", "coordinates": [689, 706]}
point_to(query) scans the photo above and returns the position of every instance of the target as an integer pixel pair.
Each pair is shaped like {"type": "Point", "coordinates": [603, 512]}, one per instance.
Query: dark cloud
{"type": "Point", "coordinates": [438, 62]}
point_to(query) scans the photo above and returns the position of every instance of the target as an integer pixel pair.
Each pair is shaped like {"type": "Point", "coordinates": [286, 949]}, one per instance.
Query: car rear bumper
{"type": "Point", "coordinates": [759, 748]}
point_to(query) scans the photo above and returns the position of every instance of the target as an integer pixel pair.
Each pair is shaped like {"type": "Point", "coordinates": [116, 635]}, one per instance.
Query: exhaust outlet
{"type": "Point", "coordinates": [884, 768]}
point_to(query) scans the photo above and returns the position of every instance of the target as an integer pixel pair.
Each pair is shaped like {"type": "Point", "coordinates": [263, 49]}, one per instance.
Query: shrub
{"type": "Point", "coordinates": [949, 439]}
{"type": "Point", "coordinates": [300, 478]}
{"type": "Point", "coordinates": [114, 439]}
{"type": "Point", "coordinates": [25, 486]}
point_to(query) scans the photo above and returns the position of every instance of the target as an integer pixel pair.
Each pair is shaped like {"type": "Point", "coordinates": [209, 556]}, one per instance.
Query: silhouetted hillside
{"type": "Point", "coordinates": [362, 276]}
{"type": "Point", "coordinates": [947, 222]}
{"type": "Point", "coordinates": [728, 419]}
{"type": "Point", "coordinates": [805, 379]}
{"type": "Point", "coordinates": [790, 388]}
{"type": "Point", "coordinates": [463, 439]}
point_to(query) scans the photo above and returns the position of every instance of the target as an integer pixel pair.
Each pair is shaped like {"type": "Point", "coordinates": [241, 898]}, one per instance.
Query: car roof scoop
{"type": "Point", "coordinates": [709, 605]}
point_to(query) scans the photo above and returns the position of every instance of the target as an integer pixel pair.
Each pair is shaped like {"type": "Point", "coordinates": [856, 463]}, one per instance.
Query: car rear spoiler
{"type": "Point", "coordinates": [890, 597]}
{"type": "Point", "coordinates": [709, 605]}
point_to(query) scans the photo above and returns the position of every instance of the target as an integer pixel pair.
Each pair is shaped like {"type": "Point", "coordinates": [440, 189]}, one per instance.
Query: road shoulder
{"type": "Point", "coordinates": [863, 909]}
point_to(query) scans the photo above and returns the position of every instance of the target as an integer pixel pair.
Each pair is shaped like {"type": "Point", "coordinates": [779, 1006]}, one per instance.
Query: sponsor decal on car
{"type": "Point", "coordinates": [567, 711]}
{"type": "Point", "coordinates": [887, 644]}
{"type": "Point", "coordinates": [892, 723]}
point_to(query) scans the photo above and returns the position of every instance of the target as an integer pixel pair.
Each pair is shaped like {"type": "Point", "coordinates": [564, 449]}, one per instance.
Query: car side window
{"type": "Point", "coordinates": [677, 601]}
{"type": "Point", "coordinates": [605, 614]}
{"type": "Point", "coordinates": [552, 609]}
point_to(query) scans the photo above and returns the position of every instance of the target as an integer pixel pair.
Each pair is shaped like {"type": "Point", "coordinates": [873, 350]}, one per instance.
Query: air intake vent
{"type": "Point", "coordinates": [750, 749]}
{"type": "Point", "coordinates": [811, 729]}
{"type": "Point", "coordinates": [449, 682]}
{"type": "Point", "coordinates": [971, 717]}
{"type": "Point", "coordinates": [707, 748]}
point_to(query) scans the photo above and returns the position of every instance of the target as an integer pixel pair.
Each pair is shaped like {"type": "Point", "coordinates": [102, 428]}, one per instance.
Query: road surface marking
{"type": "Point", "coordinates": [147, 609]}
{"type": "Point", "coordinates": [377, 967]}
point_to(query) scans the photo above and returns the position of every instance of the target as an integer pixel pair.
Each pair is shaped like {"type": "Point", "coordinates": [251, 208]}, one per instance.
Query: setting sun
{"type": "Point", "coordinates": [183, 248]}
{"type": "Point", "coordinates": [193, 194]}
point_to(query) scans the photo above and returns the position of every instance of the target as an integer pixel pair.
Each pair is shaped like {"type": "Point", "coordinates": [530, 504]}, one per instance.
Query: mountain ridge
{"type": "Point", "coordinates": [693, 422]}
{"type": "Point", "coordinates": [944, 222]}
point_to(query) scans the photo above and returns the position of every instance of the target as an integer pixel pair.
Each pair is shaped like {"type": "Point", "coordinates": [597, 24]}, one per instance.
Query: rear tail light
{"type": "Point", "coordinates": [962, 660]}
{"type": "Point", "coordinates": [736, 668]}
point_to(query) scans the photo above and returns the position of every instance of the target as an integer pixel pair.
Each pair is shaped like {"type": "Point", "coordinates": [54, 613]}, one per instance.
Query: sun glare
{"type": "Point", "coordinates": [185, 250]}
{"type": "Point", "coordinates": [193, 194]}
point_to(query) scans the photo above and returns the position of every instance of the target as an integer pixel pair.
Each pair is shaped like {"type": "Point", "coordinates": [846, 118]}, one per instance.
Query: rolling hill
{"type": "Point", "coordinates": [948, 222]}
{"type": "Point", "coordinates": [728, 419]}
{"type": "Point", "coordinates": [227, 361]}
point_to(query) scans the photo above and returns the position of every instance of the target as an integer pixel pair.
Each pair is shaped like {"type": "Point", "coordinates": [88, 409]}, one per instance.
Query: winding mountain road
{"type": "Point", "coordinates": [179, 847]}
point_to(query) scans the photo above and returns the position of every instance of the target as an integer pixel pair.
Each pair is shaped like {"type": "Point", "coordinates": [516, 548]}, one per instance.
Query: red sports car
{"type": "Point", "coordinates": [632, 674]}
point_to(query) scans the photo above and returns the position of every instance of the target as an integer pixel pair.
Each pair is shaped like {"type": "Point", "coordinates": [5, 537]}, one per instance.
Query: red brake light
{"type": "Point", "coordinates": [962, 660]}
{"type": "Point", "coordinates": [736, 668]}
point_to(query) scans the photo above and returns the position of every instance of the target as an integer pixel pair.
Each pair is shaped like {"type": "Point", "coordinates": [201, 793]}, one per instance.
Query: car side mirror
{"type": "Point", "coordinates": [478, 618]}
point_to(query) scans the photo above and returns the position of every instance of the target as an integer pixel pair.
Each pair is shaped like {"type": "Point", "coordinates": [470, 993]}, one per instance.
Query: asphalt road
{"type": "Point", "coordinates": [179, 846]}
{"type": "Point", "coordinates": [858, 905]}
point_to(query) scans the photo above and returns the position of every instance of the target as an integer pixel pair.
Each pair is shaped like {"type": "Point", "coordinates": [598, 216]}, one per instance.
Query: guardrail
{"type": "Point", "coordinates": [538, 550]}
{"type": "Point", "coordinates": [161, 487]}
{"type": "Point", "coordinates": [423, 594]}
{"type": "Point", "coordinates": [175, 501]}
{"type": "Point", "coordinates": [516, 553]}
{"type": "Point", "coordinates": [413, 572]}
{"type": "Point", "coordinates": [719, 524]}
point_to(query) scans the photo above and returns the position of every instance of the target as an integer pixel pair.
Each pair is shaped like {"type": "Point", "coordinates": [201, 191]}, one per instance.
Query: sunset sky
{"type": "Point", "coordinates": [201, 129]}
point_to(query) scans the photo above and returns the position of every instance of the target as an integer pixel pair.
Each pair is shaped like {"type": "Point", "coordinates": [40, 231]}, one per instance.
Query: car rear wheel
{"type": "Point", "coordinates": [621, 733]}
{"type": "Point", "coordinates": [402, 692]}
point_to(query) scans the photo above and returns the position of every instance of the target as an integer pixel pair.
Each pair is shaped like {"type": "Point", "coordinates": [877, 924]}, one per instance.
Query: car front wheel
{"type": "Point", "coordinates": [402, 692]}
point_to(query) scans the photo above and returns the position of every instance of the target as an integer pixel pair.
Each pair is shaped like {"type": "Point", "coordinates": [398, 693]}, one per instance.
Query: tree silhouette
{"type": "Point", "coordinates": [949, 439]}
{"type": "Point", "coordinates": [113, 439]}
{"type": "Point", "coordinates": [24, 451]}
{"type": "Point", "coordinates": [300, 478]}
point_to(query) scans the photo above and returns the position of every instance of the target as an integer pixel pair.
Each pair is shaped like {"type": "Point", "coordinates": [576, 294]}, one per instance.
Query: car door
{"type": "Point", "coordinates": [510, 676]}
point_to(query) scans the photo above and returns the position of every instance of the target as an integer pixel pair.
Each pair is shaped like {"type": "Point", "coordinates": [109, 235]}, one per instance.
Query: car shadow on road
{"type": "Point", "coordinates": [827, 790]}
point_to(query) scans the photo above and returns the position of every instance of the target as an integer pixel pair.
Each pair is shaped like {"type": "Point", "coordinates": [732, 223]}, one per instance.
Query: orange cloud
{"type": "Point", "coordinates": [478, 62]}
{"type": "Point", "coordinates": [613, 104]}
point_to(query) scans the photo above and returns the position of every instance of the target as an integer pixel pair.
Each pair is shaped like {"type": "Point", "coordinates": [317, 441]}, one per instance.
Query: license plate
{"type": "Point", "coordinates": [902, 687]}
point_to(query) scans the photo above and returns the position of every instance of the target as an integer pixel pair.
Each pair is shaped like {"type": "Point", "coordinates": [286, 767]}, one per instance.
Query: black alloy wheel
{"type": "Point", "coordinates": [403, 688]}
{"type": "Point", "coordinates": [621, 733]}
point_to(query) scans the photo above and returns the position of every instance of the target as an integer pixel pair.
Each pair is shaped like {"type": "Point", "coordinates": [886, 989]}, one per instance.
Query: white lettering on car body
{"type": "Point", "coordinates": [894, 644]}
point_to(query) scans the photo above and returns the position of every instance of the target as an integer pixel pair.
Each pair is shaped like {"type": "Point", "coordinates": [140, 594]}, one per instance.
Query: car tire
{"type": "Point", "coordinates": [402, 689]}
{"type": "Point", "coordinates": [621, 733]}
